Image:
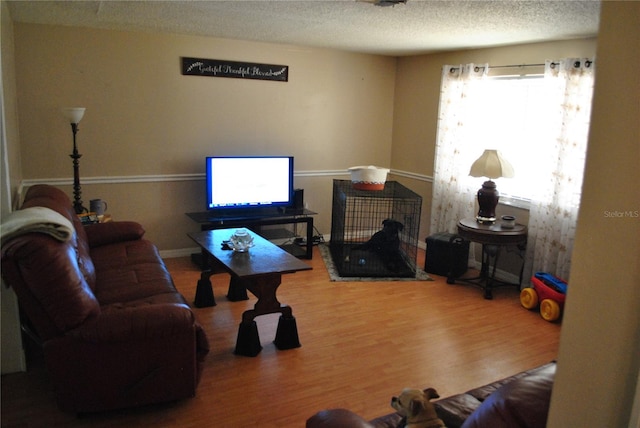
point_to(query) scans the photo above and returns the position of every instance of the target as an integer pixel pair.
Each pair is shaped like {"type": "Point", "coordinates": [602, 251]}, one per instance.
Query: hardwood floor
{"type": "Point", "coordinates": [361, 344]}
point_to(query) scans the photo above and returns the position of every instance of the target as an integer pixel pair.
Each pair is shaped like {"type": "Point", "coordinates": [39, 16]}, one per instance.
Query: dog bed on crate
{"type": "Point", "coordinates": [368, 177]}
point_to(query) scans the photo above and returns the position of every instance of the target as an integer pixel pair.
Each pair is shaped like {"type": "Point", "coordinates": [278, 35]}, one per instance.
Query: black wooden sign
{"type": "Point", "coordinates": [235, 69]}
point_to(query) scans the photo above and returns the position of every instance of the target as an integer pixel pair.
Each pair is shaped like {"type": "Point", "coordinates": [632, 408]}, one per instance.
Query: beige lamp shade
{"type": "Point", "coordinates": [74, 114]}
{"type": "Point", "coordinates": [492, 165]}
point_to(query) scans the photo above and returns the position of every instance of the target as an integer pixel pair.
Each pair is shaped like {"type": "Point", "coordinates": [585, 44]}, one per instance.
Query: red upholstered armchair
{"type": "Point", "coordinates": [114, 330]}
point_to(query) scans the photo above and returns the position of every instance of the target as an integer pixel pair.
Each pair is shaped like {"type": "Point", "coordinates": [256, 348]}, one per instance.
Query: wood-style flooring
{"type": "Point", "coordinates": [362, 342]}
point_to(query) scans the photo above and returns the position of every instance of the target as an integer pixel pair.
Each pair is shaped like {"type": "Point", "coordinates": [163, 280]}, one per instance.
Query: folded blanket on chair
{"type": "Point", "coordinates": [36, 219]}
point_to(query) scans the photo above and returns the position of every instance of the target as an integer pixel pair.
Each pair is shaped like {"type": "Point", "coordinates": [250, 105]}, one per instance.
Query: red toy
{"type": "Point", "coordinates": [548, 290]}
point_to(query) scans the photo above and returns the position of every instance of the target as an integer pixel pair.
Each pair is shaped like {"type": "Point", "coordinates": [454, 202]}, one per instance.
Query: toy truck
{"type": "Point", "coordinates": [546, 291]}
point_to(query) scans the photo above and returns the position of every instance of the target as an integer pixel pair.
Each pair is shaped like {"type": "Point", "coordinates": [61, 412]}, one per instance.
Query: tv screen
{"type": "Point", "coordinates": [241, 182]}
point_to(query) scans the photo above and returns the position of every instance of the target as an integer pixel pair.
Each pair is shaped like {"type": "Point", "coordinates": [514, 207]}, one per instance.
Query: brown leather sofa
{"type": "Point", "coordinates": [519, 401]}
{"type": "Point", "coordinates": [114, 330]}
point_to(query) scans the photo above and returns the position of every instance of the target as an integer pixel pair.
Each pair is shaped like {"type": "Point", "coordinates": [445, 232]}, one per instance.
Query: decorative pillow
{"type": "Point", "coordinates": [522, 403]}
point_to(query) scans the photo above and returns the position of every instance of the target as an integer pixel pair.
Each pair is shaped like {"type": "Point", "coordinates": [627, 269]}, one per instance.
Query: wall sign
{"type": "Point", "coordinates": [240, 70]}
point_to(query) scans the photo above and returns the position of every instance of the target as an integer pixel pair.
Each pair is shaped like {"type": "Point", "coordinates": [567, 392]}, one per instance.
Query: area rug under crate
{"type": "Point", "coordinates": [325, 252]}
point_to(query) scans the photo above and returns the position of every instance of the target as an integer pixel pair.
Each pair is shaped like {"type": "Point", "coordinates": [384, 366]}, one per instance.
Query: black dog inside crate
{"type": "Point", "coordinates": [374, 234]}
{"type": "Point", "coordinates": [352, 260]}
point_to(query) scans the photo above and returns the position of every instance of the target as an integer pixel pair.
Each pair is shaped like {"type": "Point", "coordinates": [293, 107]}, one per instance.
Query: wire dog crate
{"type": "Point", "coordinates": [361, 245]}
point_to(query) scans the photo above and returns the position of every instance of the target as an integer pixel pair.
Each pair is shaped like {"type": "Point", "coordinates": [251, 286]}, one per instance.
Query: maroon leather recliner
{"type": "Point", "coordinates": [114, 330]}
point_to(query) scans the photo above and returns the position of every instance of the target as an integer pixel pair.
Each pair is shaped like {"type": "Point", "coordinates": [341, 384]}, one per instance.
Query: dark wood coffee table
{"type": "Point", "coordinates": [258, 270]}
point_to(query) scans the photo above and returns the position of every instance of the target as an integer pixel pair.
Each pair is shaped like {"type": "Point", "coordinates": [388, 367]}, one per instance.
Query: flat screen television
{"type": "Point", "coordinates": [249, 182]}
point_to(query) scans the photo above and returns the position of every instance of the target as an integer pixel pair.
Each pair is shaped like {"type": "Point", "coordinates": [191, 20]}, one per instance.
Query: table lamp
{"type": "Point", "coordinates": [75, 114]}
{"type": "Point", "coordinates": [491, 165]}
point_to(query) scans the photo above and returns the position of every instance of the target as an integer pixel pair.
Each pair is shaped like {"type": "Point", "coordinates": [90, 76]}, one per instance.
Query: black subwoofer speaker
{"type": "Point", "coordinates": [298, 199]}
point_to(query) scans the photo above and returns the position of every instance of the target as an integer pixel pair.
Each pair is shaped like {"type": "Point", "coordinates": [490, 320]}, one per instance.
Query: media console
{"type": "Point", "coordinates": [256, 220]}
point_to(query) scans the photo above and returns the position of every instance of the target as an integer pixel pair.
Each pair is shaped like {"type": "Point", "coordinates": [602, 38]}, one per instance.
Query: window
{"type": "Point", "coordinates": [541, 125]}
{"type": "Point", "coordinates": [510, 116]}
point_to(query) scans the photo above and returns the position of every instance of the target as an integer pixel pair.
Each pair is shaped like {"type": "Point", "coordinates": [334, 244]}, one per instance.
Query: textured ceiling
{"type": "Point", "coordinates": [354, 25]}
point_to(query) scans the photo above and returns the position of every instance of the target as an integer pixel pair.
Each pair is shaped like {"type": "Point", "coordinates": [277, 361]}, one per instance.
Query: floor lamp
{"type": "Point", "coordinates": [75, 114]}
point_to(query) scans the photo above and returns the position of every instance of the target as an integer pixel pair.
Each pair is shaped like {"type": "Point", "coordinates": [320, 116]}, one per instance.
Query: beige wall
{"type": "Point", "coordinates": [600, 343]}
{"type": "Point", "coordinates": [145, 119]}
{"type": "Point", "coordinates": [9, 100]}
{"type": "Point", "coordinates": [12, 358]}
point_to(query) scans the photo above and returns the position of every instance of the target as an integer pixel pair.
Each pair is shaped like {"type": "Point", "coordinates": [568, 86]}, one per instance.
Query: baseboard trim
{"type": "Point", "coordinates": [502, 275]}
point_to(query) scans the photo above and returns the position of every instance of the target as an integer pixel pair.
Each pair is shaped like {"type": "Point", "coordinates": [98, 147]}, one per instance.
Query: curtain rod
{"type": "Point", "coordinates": [477, 68]}
{"type": "Point", "coordinates": [517, 65]}
{"type": "Point", "coordinates": [576, 64]}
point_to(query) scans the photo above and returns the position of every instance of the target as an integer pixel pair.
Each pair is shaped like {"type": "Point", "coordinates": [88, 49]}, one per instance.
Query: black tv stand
{"type": "Point", "coordinates": [255, 219]}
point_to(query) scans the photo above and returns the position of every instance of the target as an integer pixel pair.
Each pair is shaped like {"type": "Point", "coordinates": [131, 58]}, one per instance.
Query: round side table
{"type": "Point", "coordinates": [493, 238]}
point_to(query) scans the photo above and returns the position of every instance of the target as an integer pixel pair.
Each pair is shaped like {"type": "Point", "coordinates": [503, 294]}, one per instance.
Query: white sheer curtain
{"type": "Point", "coordinates": [568, 85]}
{"type": "Point", "coordinates": [453, 191]}
{"type": "Point", "coordinates": [555, 204]}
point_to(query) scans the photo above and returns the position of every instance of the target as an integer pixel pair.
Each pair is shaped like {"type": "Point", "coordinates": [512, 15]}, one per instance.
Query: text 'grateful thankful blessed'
{"type": "Point", "coordinates": [234, 69]}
